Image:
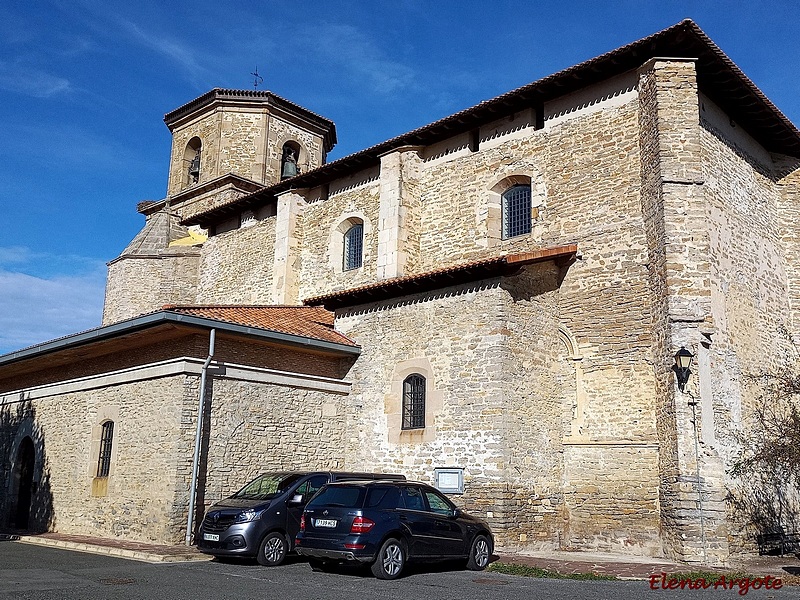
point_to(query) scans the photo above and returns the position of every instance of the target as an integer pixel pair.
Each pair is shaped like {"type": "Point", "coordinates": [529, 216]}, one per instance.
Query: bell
{"type": "Point", "coordinates": [194, 167]}
{"type": "Point", "coordinates": [289, 169]}
{"type": "Point", "coordinates": [289, 165]}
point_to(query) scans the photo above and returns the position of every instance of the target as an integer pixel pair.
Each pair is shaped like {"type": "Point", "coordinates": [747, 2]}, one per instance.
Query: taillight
{"type": "Point", "coordinates": [361, 525]}
{"type": "Point", "coordinates": [302, 522]}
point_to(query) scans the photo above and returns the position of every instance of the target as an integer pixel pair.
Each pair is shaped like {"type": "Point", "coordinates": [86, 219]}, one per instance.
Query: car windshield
{"type": "Point", "coordinates": [266, 486]}
{"type": "Point", "coordinates": [346, 496]}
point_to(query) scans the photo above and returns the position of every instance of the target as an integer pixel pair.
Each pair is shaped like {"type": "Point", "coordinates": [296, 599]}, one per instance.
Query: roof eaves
{"type": "Point", "coordinates": [775, 130]}
{"type": "Point", "coordinates": [504, 265]}
{"type": "Point", "coordinates": [167, 316]}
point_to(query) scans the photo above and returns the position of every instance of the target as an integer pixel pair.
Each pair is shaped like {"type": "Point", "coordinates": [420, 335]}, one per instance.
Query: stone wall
{"type": "Point", "coordinates": [750, 295]}
{"type": "Point", "coordinates": [236, 267]}
{"type": "Point", "coordinates": [257, 428]}
{"type": "Point", "coordinates": [252, 425]}
{"type": "Point", "coordinates": [320, 254]}
{"type": "Point", "coordinates": [142, 284]}
{"type": "Point", "coordinates": [454, 338]}
{"type": "Point", "coordinates": [138, 497]}
{"type": "Point", "coordinates": [244, 141]}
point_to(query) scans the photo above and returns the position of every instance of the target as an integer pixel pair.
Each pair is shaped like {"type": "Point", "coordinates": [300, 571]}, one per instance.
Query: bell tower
{"type": "Point", "coordinates": [239, 141]}
{"type": "Point", "coordinates": [225, 144]}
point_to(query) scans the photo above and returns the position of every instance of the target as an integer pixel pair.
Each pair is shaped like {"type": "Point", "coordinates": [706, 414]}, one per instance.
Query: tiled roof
{"type": "Point", "coordinates": [443, 277]}
{"type": "Point", "coordinates": [306, 321]}
{"type": "Point", "coordinates": [254, 96]}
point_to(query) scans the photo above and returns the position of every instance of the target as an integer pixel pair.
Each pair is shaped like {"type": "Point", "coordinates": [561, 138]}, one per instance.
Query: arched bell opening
{"type": "Point", "coordinates": [192, 160]}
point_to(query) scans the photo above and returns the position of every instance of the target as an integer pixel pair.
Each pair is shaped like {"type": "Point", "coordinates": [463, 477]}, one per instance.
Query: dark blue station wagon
{"type": "Point", "coordinates": [386, 524]}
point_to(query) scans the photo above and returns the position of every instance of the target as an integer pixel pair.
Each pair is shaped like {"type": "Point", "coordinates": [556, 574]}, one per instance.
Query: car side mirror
{"type": "Point", "coordinates": [456, 513]}
{"type": "Point", "coordinates": [296, 499]}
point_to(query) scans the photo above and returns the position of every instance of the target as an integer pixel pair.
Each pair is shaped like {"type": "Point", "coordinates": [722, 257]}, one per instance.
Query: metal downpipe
{"type": "Point", "coordinates": [198, 436]}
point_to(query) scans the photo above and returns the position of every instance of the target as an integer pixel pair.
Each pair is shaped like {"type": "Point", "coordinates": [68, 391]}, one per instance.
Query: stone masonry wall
{"type": "Point", "coordinates": [254, 426]}
{"type": "Point", "coordinates": [139, 499]}
{"type": "Point", "coordinates": [257, 428]}
{"type": "Point", "coordinates": [749, 301]}
{"type": "Point", "coordinates": [208, 130]}
{"type": "Point", "coordinates": [321, 265]}
{"type": "Point", "coordinates": [142, 284]}
{"type": "Point", "coordinates": [454, 338]}
{"type": "Point", "coordinates": [788, 170]}
{"type": "Point", "coordinates": [236, 267]}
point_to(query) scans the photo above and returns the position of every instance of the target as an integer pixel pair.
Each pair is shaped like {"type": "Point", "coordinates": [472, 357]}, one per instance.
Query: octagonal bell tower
{"type": "Point", "coordinates": [238, 141]}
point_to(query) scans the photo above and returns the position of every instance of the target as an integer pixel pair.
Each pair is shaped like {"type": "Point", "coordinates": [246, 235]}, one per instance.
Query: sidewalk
{"type": "Point", "coordinates": [636, 567]}
{"type": "Point", "coordinates": [623, 566]}
{"type": "Point", "coordinates": [112, 547]}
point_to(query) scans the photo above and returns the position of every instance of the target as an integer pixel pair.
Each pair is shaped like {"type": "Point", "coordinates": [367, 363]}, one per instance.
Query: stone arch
{"type": "Point", "coordinates": [490, 213]}
{"type": "Point", "coordinates": [27, 452]}
{"type": "Point", "coordinates": [302, 155]}
{"type": "Point", "coordinates": [336, 240]}
{"type": "Point", "coordinates": [393, 407]}
{"type": "Point", "coordinates": [192, 161]}
{"type": "Point", "coordinates": [573, 392]}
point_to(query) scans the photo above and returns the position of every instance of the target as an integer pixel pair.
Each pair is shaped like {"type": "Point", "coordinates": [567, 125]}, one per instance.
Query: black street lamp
{"type": "Point", "coordinates": [683, 360]}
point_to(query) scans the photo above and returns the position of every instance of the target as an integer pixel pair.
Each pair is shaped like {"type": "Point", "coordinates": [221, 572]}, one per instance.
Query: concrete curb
{"type": "Point", "coordinates": [140, 555]}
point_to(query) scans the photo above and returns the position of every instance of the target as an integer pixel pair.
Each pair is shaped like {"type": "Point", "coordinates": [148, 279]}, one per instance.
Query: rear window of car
{"type": "Point", "coordinates": [346, 496]}
{"type": "Point", "coordinates": [383, 497]}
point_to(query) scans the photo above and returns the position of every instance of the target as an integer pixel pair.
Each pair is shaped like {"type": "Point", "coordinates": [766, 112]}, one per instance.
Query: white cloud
{"type": "Point", "coordinates": [30, 81]}
{"type": "Point", "coordinates": [176, 51]}
{"type": "Point", "coordinates": [38, 308]}
{"type": "Point", "coordinates": [351, 50]}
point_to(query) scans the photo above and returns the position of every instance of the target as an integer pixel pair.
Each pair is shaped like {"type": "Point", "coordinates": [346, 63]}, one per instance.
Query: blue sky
{"type": "Point", "coordinates": [85, 85]}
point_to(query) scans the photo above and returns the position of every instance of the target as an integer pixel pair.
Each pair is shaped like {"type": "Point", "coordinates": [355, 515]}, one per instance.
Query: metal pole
{"type": "Point", "coordinates": [699, 490]}
{"type": "Point", "coordinates": [197, 438]}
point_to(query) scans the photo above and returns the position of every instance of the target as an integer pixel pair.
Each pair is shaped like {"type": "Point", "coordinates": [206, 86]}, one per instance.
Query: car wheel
{"type": "Point", "coordinates": [479, 553]}
{"type": "Point", "coordinates": [391, 560]}
{"type": "Point", "coordinates": [272, 550]}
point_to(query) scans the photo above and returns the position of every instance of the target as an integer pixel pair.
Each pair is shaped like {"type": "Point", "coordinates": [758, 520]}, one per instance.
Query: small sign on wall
{"type": "Point", "coordinates": [449, 480]}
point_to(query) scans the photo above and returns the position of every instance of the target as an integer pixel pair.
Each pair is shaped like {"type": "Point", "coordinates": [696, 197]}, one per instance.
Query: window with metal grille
{"type": "Point", "coordinates": [414, 402]}
{"type": "Point", "coordinates": [516, 211]}
{"type": "Point", "coordinates": [353, 247]}
{"type": "Point", "coordinates": [106, 439]}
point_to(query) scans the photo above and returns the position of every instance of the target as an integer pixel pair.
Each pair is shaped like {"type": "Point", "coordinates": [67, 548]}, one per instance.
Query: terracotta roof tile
{"type": "Point", "coordinates": [305, 321]}
{"type": "Point", "coordinates": [443, 277]}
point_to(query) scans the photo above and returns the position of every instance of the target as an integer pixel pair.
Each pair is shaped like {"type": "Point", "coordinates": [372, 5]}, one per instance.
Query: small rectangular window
{"type": "Point", "coordinates": [516, 211]}
{"type": "Point", "coordinates": [414, 402]}
{"type": "Point", "coordinates": [106, 442]}
{"type": "Point", "coordinates": [353, 247]}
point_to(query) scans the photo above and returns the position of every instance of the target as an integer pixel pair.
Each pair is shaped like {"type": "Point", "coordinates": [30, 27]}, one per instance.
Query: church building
{"type": "Point", "coordinates": [491, 303]}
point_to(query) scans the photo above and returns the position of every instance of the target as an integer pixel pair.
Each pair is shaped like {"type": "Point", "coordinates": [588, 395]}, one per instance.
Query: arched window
{"type": "Point", "coordinates": [353, 247]}
{"type": "Point", "coordinates": [191, 160]}
{"type": "Point", "coordinates": [414, 402]}
{"type": "Point", "coordinates": [516, 210]}
{"type": "Point", "coordinates": [290, 156]}
{"type": "Point", "coordinates": [106, 441]}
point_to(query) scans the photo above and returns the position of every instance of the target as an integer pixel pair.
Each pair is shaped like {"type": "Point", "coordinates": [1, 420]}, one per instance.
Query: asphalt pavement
{"type": "Point", "coordinates": [36, 572]}
{"type": "Point", "coordinates": [622, 566]}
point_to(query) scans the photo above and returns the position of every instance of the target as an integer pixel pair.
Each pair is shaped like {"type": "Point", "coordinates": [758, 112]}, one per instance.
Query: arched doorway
{"type": "Point", "coordinates": [23, 482]}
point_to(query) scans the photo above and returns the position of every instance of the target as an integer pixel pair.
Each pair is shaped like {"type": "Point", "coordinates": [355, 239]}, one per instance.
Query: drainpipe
{"type": "Point", "coordinates": [198, 435]}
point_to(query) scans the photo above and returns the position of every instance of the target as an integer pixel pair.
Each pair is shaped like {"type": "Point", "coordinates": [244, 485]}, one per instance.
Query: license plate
{"type": "Point", "coordinates": [211, 537]}
{"type": "Point", "coordinates": [325, 523]}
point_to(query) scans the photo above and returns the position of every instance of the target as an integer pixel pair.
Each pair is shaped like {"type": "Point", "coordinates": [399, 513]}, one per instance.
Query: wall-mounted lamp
{"type": "Point", "coordinates": [683, 360]}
